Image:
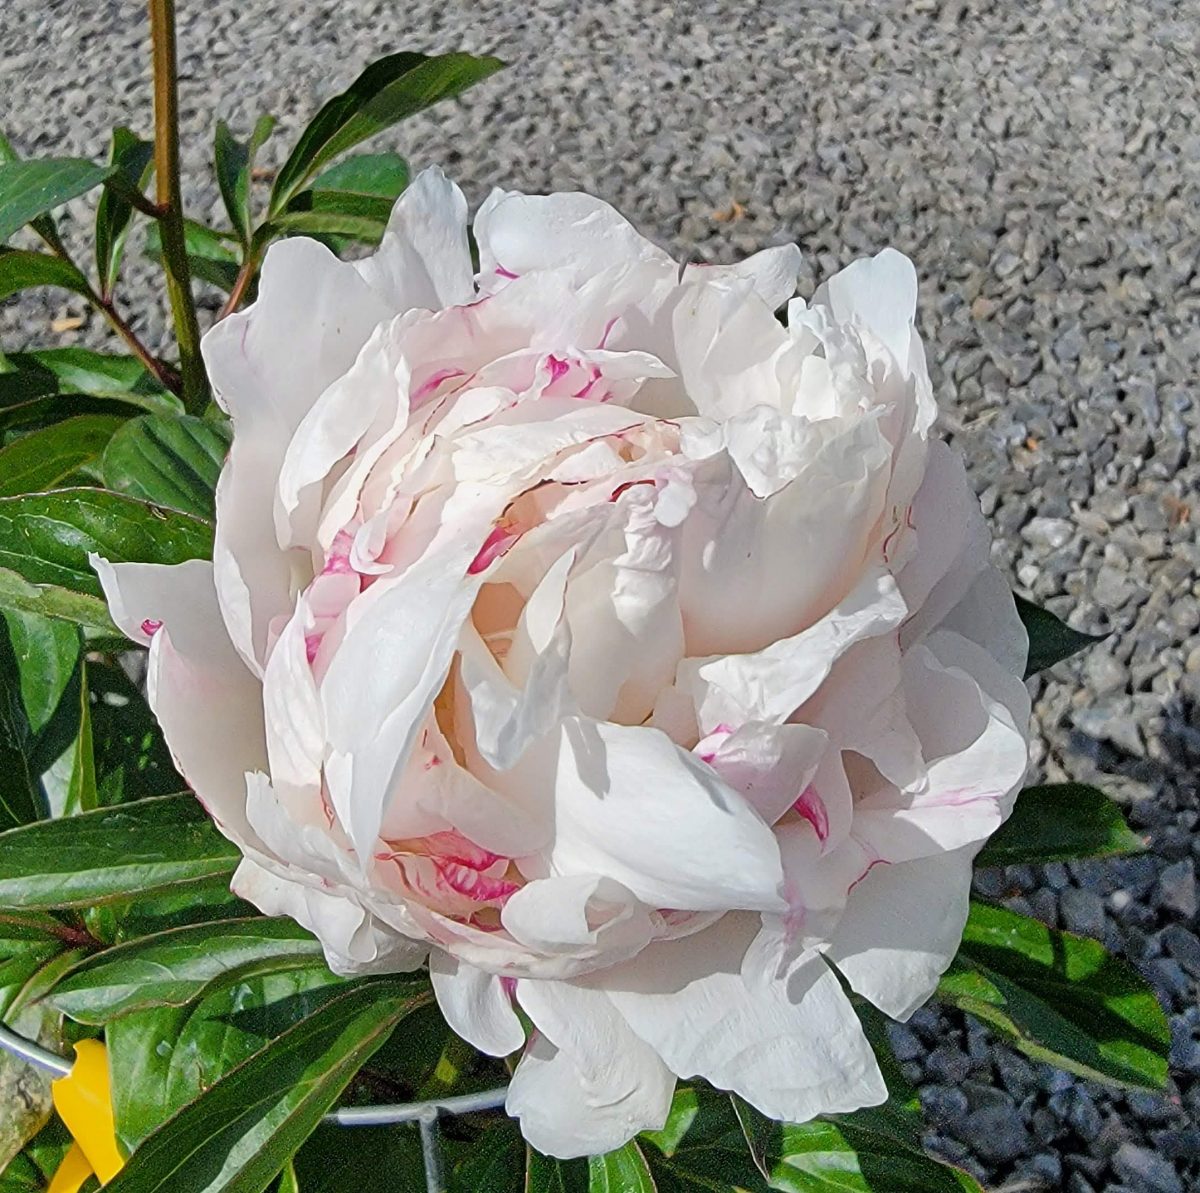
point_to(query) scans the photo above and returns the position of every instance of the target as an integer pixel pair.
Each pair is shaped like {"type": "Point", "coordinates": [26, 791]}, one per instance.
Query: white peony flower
{"type": "Point", "coordinates": [578, 627]}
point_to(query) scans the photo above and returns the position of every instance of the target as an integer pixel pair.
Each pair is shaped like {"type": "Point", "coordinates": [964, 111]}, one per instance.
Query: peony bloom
{"type": "Point", "coordinates": [579, 628]}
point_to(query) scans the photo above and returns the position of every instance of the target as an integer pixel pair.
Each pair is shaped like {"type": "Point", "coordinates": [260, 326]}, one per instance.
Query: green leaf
{"type": "Point", "coordinates": [164, 1057]}
{"type": "Point", "coordinates": [61, 371]}
{"type": "Point", "coordinates": [544, 1174]}
{"type": "Point", "coordinates": [132, 160]}
{"type": "Point", "coordinates": [840, 1156]}
{"type": "Point", "coordinates": [234, 161]}
{"type": "Point", "coordinates": [494, 1161]}
{"type": "Point", "coordinates": [351, 201]}
{"type": "Point", "coordinates": [1057, 822]}
{"type": "Point", "coordinates": [209, 255]}
{"type": "Point", "coordinates": [112, 853]}
{"type": "Point", "coordinates": [46, 537]}
{"type": "Point", "coordinates": [240, 1132]}
{"type": "Point", "coordinates": [20, 793]}
{"type": "Point", "coordinates": [17, 595]}
{"type": "Point", "coordinates": [326, 223]}
{"type": "Point", "coordinates": [22, 269]}
{"type": "Point", "coordinates": [1050, 640]}
{"type": "Point", "coordinates": [701, 1149]}
{"type": "Point", "coordinates": [1060, 998]}
{"type": "Point", "coordinates": [622, 1171]}
{"type": "Point", "coordinates": [45, 458]}
{"type": "Point", "coordinates": [132, 759]}
{"type": "Point", "coordinates": [29, 189]}
{"type": "Point", "coordinates": [173, 968]}
{"type": "Point", "coordinates": [171, 459]}
{"type": "Point", "coordinates": [33, 1170]}
{"type": "Point", "coordinates": [385, 93]}
{"type": "Point", "coordinates": [378, 175]}
{"type": "Point", "coordinates": [372, 1160]}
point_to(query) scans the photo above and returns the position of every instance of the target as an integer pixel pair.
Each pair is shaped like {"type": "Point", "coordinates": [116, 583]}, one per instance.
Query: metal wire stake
{"type": "Point", "coordinates": [424, 1114]}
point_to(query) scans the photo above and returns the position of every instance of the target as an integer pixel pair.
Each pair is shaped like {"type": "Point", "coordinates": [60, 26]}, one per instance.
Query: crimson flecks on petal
{"type": "Point", "coordinates": [580, 627]}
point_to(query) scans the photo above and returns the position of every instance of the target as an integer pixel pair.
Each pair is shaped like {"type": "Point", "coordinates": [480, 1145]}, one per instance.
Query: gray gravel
{"type": "Point", "coordinates": [1041, 164]}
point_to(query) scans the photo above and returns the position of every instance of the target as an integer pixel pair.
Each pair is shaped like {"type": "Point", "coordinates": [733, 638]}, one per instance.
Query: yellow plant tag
{"type": "Point", "coordinates": [83, 1099]}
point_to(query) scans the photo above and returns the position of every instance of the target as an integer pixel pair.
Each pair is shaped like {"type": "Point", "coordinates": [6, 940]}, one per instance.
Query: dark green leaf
{"type": "Point", "coordinates": [48, 653]}
{"type": "Point", "coordinates": [209, 255]}
{"type": "Point", "coordinates": [494, 1161]}
{"type": "Point", "coordinates": [544, 1174]}
{"type": "Point", "coordinates": [622, 1171]}
{"type": "Point", "coordinates": [61, 371]}
{"type": "Point", "coordinates": [234, 161]}
{"type": "Point", "coordinates": [45, 458]}
{"type": "Point", "coordinates": [240, 1132]}
{"type": "Point", "coordinates": [21, 269]}
{"type": "Point", "coordinates": [131, 159]}
{"type": "Point", "coordinates": [32, 188]}
{"type": "Point", "coordinates": [1050, 640]}
{"type": "Point", "coordinates": [171, 459]}
{"type": "Point", "coordinates": [20, 793]}
{"type": "Point", "coordinates": [173, 968]}
{"type": "Point", "coordinates": [1057, 822]}
{"type": "Point", "coordinates": [817, 1156]}
{"type": "Point", "coordinates": [1060, 998]}
{"type": "Point", "coordinates": [112, 853]}
{"type": "Point", "coordinates": [132, 760]}
{"type": "Point", "coordinates": [372, 1160]}
{"type": "Point", "coordinates": [164, 1057]}
{"type": "Point", "coordinates": [33, 1170]}
{"type": "Point", "coordinates": [385, 93]}
{"type": "Point", "coordinates": [46, 537]}
{"type": "Point", "coordinates": [351, 201]}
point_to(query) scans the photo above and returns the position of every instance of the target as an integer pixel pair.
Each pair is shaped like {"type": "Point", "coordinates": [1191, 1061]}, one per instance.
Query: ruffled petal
{"type": "Point", "coordinates": [476, 1005]}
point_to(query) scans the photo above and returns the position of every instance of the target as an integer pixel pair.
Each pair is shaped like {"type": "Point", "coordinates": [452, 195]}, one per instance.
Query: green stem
{"type": "Point", "coordinates": [167, 377]}
{"type": "Point", "coordinates": [170, 205]}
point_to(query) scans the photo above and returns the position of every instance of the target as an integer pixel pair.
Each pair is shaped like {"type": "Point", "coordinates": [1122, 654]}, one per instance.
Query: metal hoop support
{"type": "Point", "coordinates": [424, 1114]}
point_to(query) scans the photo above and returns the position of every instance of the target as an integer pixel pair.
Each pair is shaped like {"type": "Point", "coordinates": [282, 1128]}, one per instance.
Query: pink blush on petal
{"type": "Point", "coordinates": [151, 626]}
{"type": "Point", "coordinates": [812, 808]}
{"type": "Point", "coordinates": [495, 545]}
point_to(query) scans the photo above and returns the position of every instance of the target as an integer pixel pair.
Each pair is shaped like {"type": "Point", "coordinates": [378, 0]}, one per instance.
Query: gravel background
{"type": "Point", "coordinates": [1041, 164]}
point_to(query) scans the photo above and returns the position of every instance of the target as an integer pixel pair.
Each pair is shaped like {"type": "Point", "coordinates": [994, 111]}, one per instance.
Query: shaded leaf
{"type": "Point", "coordinates": [369, 1160]}
{"type": "Point", "coordinates": [1050, 640]}
{"type": "Point", "coordinates": [131, 159]}
{"type": "Point", "coordinates": [22, 269]}
{"type": "Point", "coordinates": [544, 1174]}
{"type": "Point", "coordinates": [1057, 822]}
{"type": "Point", "coordinates": [173, 968]}
{"type": "Point", "coordinates": [1060, 998]}
{"type": "Point", "coordinates": [132, 760]}
{"type": "Point", "coordinates": [112, 853]}
{"type": "Point", "coordinates": [20, 794]}
{"type": "Point", "coordinates": [31, 188]}
{"type": "Point", "coordinates": [385, 93]}
{"type": "Point", "coordinates": [46, 537]}
{"type": "Point", "coordinates": [164, 1057]}
{"type": "Point", "coordinates": [209, 255]}
{"type": "Point", "coordinates": [17, 595]}
{"type": "Point", "coordinates": [172, 460]}
{"type": "Point", "coordinates": [242, 1130]}
{"type": "Point", "coordinates": [622, 1171]}
{"type": "Point", "coordinates": [62, 371]}
{"type": "Point", "coordinates": [43, 459]}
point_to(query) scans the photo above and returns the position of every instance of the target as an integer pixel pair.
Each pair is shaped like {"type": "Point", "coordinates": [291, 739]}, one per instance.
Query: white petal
{"type": "Point", "coordinates": [268, 365]}
{"type": "Point", "coordinates": [772, 272]}
{"type": "Point", "coordinates": [587, 1084]}
{"type": "Point", "coordinates": [424, 260]}
{"type": "Point", "coordinates": [475, 1005]}
{"type": "Point", "coordinates": [354, 941]}
{"type": "Point", "coordinates": [757, 569]}
{"type": "Point", "coordinates": [710, 1006]}
{"type": "Point", "coordinates": [988, 615]}
{"type": "Point", "coordinates": [207, 702]}
{"type": "Point", "coordinates": [901, 927]}
{"type": "Point", "coordinates": [698, 845]}
{"type": "Point", "coordinates": [879, 293]}
{"type": "Point", "coordinates": [295, 723]}
{"type": "Point", "coordinates": [770, 684]}
{"type": "Point", "coordinates": [379, 689]}
{"type": "Point", "coordinates": [582, 917]}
